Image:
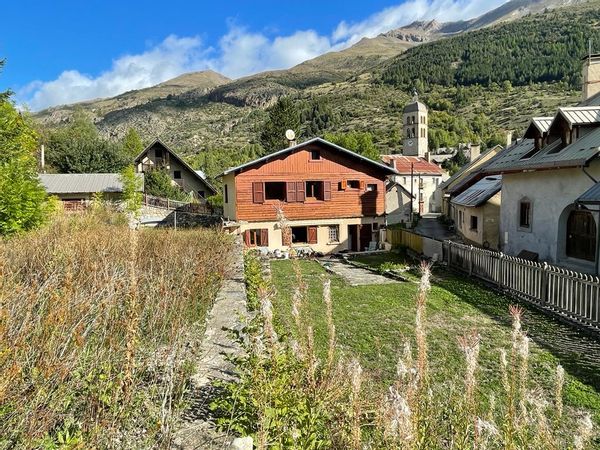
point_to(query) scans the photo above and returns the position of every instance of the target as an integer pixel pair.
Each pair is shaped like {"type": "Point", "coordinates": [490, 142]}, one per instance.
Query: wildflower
{"type": "Point", "coordinates": [584, 432]}
{"type": "Point", "coordinates": [486, 427]}
{"type": "Point", "coordinates": [399, 423]}
{"type": "Point", "coordinates": [560, 381]}
{"type": "Point", "coordinates": [469, 344]}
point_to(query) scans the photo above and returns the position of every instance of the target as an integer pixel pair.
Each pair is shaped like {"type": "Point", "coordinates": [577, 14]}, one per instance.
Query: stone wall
{"type": "Point", "coordinates": [152, 216]}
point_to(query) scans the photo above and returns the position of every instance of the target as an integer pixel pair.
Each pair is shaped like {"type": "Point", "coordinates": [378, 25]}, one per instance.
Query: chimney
{"type": "Point", "coordinates": [428, 156]}
{"type": "Point", "coordinates": [509, 135]}
{"type": "Point", "coordinates": [43, 159]}
{"type": "Point", "coordinates": [474, 152]}
{"type": "Point", "coordinates": [591, 75]}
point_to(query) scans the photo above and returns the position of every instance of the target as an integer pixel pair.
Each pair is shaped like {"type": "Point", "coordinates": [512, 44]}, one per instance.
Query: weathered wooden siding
{"type": "Point", "coordinates": [332, 167]}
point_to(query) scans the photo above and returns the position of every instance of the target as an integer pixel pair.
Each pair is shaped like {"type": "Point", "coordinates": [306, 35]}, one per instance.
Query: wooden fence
{"type": "Point", "coordinates": [573, 295]}
{"type": "Point", "coordinates": [405, 238]}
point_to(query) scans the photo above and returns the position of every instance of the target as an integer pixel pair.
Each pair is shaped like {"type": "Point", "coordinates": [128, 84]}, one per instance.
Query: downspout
{"type": "Point", "coordinates": [597, 259]}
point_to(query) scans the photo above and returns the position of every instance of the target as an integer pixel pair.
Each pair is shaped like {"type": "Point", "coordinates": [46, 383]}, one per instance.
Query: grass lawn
{"type": "Point", "coordinates": [374, 321]}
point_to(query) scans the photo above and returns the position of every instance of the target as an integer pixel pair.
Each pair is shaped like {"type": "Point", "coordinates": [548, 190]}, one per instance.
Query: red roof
{"type": "Point", "coordinates": [403, 164]}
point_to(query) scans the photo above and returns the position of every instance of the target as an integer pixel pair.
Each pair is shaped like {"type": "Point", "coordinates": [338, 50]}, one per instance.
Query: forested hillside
{"type": "Point", "coordinates": [539, 48]}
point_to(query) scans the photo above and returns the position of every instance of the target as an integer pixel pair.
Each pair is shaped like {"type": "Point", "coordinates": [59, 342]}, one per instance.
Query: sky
{"type": "Point", "coordinates": [59, 52]}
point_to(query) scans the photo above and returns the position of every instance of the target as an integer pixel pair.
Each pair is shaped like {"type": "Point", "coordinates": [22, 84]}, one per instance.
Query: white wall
{"type": "Point", "coordinates": [397, 205]}
{"type": "Point", "coordinates": [430, 184]}
{"type": "Point", "coordinates": [550, 192]}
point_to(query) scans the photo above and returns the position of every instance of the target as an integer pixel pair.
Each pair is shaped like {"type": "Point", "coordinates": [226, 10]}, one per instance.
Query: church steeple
{"type": "Point", "coordinates": [414, 120]}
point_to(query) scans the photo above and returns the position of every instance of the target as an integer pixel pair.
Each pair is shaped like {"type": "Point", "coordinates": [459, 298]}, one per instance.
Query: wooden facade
{"type": "Point", "coordinates": [334, 185]}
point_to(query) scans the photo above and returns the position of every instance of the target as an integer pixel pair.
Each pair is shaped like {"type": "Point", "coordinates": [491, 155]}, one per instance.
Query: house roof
{"type": "Point", "coordinates": [591, 196]}
{"type": "Point", "coordinates": [480, 192]}
{"type": "Point", "coordinates": [579, 115]}
{"type": "Point", "coordinates": [317, 140]}
{"type": "Point", "coordinates": [466, 172]}
{"type": "Point", "coordinates": [82, 183]}
{"type": "Point", "coordinates": [419, 165]}
{"type": "Point", "coordinates": [522, 156]}
{"type": "Point", "coordinates": [391, 184]}
{"type": "Point", "coordinates": [415, 106]}
{"type": "Point", "coordinates": [542, 124]}
{"type": "Point", "coordinates": [197, 174]}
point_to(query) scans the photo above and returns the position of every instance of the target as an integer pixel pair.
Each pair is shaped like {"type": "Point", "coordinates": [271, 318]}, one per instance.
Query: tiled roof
{"type": "Point", "coordinates": [82, 183]}
{"type": "Point", "coordinates": [419, 165]}
{"type": "Point", "coordinates": [480, 192]}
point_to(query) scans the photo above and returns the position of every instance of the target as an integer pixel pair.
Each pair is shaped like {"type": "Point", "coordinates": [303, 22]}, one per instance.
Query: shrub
{"type": "Point", "coordinates": [158, 183]}
{"type": "Point", "coordinates": [253, 274]}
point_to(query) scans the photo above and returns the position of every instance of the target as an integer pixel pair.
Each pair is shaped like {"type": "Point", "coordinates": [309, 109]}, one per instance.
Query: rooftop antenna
{"type": "Point", "coordinates": [291, 137]}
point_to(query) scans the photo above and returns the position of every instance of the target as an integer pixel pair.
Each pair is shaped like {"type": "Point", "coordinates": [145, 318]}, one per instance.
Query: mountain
{"type": "Point", "coordinates": [364, 87]}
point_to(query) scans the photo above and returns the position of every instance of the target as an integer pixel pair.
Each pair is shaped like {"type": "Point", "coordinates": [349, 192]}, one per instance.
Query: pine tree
{"type": "Point", "coordinates": [282, 116]}
{"type": "Point", "coordinates": [132, 143]}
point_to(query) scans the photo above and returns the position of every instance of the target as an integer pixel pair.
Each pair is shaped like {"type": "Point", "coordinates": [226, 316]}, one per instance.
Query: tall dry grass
{"type": "Point", "coordinates": [94, 321]}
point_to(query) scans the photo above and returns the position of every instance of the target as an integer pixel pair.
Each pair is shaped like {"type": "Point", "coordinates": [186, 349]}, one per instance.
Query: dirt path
{"type": "Point", "coordinates": [229, 309]}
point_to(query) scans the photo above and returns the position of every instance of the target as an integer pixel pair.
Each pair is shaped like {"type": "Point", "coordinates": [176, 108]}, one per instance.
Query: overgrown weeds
{"type": "Point", "coordinates": [291, 396]}
{"type": "Point", "coordinates": [94, 322]}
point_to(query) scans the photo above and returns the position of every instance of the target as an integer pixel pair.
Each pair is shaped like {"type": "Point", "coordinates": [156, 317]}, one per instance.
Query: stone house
{"type": "Point", "coordinates": [477, 212]}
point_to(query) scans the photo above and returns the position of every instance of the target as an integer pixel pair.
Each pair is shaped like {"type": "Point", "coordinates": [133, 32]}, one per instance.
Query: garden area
{"type": "Point", "coordinates": [438, 361]}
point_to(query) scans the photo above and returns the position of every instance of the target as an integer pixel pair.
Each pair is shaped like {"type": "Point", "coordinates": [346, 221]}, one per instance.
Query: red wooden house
{"type": "Point", "coordinates": [333, 199]}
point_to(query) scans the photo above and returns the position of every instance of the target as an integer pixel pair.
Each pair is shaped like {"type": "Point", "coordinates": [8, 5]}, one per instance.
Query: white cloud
{"type": "Point", "coordinates": [240, 52]}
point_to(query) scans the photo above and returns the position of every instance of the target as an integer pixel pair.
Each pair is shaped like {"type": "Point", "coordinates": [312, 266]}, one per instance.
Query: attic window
{"type": "Point", "coordinates": [315, 155]}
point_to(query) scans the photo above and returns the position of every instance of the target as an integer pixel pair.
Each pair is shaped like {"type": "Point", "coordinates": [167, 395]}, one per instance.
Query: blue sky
{"type": "Point", "coordinates": [64, 51]}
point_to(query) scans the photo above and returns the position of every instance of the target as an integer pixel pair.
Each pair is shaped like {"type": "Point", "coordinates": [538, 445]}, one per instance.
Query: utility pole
{"type": "Point", "coordinates": [412, 197]}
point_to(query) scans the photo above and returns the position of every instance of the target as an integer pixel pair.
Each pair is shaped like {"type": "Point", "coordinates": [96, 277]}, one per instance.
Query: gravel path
{"type": "Point", "coordinates": [355, 276]}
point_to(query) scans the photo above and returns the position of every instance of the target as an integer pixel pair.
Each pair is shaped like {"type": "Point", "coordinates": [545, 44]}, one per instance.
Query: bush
{"type": "Point", "coordinates": [158, 183]}
{"type": "Point", "coordinates": [253, 274]}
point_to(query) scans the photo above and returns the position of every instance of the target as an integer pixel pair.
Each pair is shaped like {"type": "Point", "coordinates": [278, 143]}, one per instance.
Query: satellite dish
{"type": "Point", "coordinates": [290, 135]}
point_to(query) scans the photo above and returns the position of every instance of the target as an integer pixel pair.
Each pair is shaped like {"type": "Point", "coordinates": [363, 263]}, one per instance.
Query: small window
{"type": "Point", "coordinates": [299, 235]}
{"type": "Point", "coordinates": [177, 174]}
{"type": "Point", "coordinates": [403, 180]}
{"type": "Point", "coordinates": [334, 234]}
{"type": "Point", "coordinates": [225, 194]}
{"type": "Point", "coordinates": [201, 194]}
{"type": "Point", "coordinates": [474, 223]}
{"type": "Point", "coordinates": [275, 190]}
{"type": "Point", "coordinates": [314, 189]}
{"type": "Point", "coordinates": [158, 152]}
{"type": "Point", "coordinates": [354, 184]}
{"type": "Point", "coordinates": [371, 187]}
{"type": "Point", "coordinates": [315, 155]}
{"type": "Point", "coordinates": [256, 237]}
{"type": "Point", "coordinates": [525, 215]}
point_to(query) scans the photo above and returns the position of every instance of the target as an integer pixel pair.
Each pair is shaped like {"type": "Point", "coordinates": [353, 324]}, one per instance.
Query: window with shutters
{"type": "Point", "coordinates": [275, 190]}
{"type": "Point", "coordinates": [258, 192]}
{"type": "Point", "coordinates": [299, 235]}
{"type": "Point", "coordinates": [354, 184]}
{"type": "Point", "coordinates": [258, 237]}
{"type": "Point", "coordinates": [334, 234]}
{"type": "Point", "coordinates": [314, 190]}
{"type": "Point", "coordinates": [371, 187]}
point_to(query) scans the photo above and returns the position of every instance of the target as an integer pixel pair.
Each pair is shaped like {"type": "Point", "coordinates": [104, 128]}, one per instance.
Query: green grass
{"type": "Point", "coordinates": [374, 321]}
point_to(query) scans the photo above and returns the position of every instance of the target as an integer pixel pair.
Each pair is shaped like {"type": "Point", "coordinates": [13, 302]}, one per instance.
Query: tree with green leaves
{"type": "Point", "coordinates": [159, 184]}
{"type": "Point", "coordinates": [23, 201]}
{"type": "Point", "coordinates": [132, 143]}
{"type": "Point", "coordinates": [132, 191]}
{"type": "Point", "coordinates": [284, 115]}
{"type": "Point", "coordinates": [79, 148]}
{"type": "Point", "coordinates": [358, 142]}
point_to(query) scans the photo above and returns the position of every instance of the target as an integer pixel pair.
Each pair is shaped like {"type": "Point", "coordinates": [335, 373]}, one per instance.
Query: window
{"type": "Point", "coordinates": [158, 152]}
{"type": "Point", "coordinates": [354, 184]}
{"type": "Point", "coordinates": [275, 190]}
{"type": "Point", "coordinates": [299, 235]}
{"type": "Point", "coordinates": [581, 235]}
{"type": "Point", "coordinates": [403, 180]}
{"type": "Point", "coordinates": [315, 155]}
{"type": "Point", "coordinates": [177, 174]}
{"type": "Point", "coordinates": [258, 237]}
{"type": "Point", "coordinates": [334, 233]}
{"type": "Point", "coordinates": [371, 187]}
{"type": "Point", "coordinates": [474, 223]}
{"type": "Point", "coordinates": [314, 189]}
{"type": "Point", "coordinates": [525, 214]}
{"type": "Point", "coordinates": [225, 194]}
{"type": "Point", "coordinates": [201, 194]}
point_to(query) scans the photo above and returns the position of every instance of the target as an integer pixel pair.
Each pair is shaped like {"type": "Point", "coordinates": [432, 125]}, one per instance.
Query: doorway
{"type": "Point", "coordinates": [353, 244]}
{"type": "Point", "coordinates": [366, 235]}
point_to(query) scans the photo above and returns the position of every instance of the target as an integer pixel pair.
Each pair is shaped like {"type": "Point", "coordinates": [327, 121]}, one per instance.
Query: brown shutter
{"type": "Point", "coordinates": [344, 184]}
{"type": "Point", "coordinates": [300, 191]}
{"type": "Point", "coordinates": [312, 235]}
{"type": "Point", "coordinates": [247, 238]}
{"type": "Point", "coordinates": [258, 192]}
{"type": "Point", "coordinates": [291, 191]}
{"type": "Point", "coordinates": [264, 237]}
{"type": "Point", "coordinates": [326, 190]}
{"type": "Point", "coordinates": [362, 185]}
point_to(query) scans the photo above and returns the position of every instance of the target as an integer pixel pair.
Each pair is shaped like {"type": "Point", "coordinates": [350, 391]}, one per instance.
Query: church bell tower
{"type": "Point", "coordinates": [414, 125]}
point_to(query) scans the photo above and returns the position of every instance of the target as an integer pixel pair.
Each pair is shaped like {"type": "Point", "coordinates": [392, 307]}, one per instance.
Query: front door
{"type": "Point", "coordinates": [366, 235]}
{"type": "Point", "coordinates": [353, 244]}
